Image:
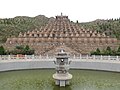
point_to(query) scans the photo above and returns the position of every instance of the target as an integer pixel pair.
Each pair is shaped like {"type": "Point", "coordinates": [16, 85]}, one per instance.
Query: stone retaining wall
{"type": "Point", "coordinates": [76, 64]}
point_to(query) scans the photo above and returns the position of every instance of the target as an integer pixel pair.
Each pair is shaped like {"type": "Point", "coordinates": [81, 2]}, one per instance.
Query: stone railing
{"type": "Point", "coordinates": [25, 57]}
{"type": "Point", "coordinates": [47, 57]}
{"type": "Point", "coordinates": [95, 57]}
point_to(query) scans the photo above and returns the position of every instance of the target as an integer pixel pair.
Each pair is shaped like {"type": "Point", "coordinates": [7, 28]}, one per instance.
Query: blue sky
{"type": "Point", "coordinates": [81, 10]}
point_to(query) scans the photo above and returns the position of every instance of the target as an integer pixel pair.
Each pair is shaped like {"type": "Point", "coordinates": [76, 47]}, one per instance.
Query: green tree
{"type": "Point", "coordinates": [114, 52]}
{"type": "Point", "coordinates": [93, 53]}
{"type": "Point", "coordinates": [108, 51]}
{"type": "Point", "coordinates": [118, 51]}
{"type": "Point", "coordinates": [2, 50]}
{"type": "Point", "coordinates": [27, 50]}
{"type": "Point", "coordinates": [27, 47]}
{"type": "Point", "coordinates": [98, 51]}
{"type": "Point", "coordinates": [20, 47]}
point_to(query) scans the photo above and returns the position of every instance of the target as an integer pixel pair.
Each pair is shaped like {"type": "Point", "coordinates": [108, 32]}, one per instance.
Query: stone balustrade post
{"type": "Point", "coordinates": [109, 57]}
{"type": "Point", "coordinates": [80, 56]}
{"type": "Point", "coordinates": [25, 57]}
{"type": "Point", "coordinates": [74, 56]}
{"type": "Point", "coordinates": [87, 56]}
{"type": "Point", "coordinates": [117, 58]}
{"type": "Point", "coordinates": [9, 57]}
{"type": "Point", "coordinates": [40, 56]}
{"type": "Point", "coordinates": [47, 56]}
{"type": "Point", "coordinates": [33, 57]}
{"type": "Point", "coordinates": [93, 57]}
{"type": "Point", "coordinates": [17, 57]}
{"type": "Point", "coordinates": [101, 57]}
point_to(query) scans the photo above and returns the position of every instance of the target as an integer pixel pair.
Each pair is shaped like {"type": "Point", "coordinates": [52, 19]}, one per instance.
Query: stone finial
{"type": "Point", "coordinates": [28, 32]}
{"type": "Point", "coordinates": [25, 34]}
{"type": "Point", "coordinates": [20, 35]}
{"type": "Point", "coordinates": [61, 14]}
{"type": "Point", "coordinates": [95, 32]}
{"type": "Point", "coordinates": [77, 35]}
{"type": "Point", "coordinates": [93, 35]}
{"type": "Point", "coordinates": [45, 35]}
{"type": "Point", "coordinates": [90, 31]}
{"type": "Point", "coordinates": [38, 32]}
{"type": "Point", "coordinates": [98, 34]}
{"type": "Point", "coordinates": [33, 31]}
{"type": "Point", "coordinates": [35, 35]}
{"type": "Point", "coordinates": [51, 35]}
{"type": "Point", "coordinates": [82, 34]}
{"type": "Point", "coordinates": [85, 31]}
{"type": "Point", "coordinates": [103, 35]}
{"type": "Point", "coordinates": [88, 35]}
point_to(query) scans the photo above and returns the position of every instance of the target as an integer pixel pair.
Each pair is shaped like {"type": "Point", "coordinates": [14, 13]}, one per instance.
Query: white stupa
{"type": "Point", "coordinates": [62, 76]}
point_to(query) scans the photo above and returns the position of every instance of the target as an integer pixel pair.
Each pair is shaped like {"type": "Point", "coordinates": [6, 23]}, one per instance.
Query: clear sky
{"type": "Point", "coordinates": [81, 10]}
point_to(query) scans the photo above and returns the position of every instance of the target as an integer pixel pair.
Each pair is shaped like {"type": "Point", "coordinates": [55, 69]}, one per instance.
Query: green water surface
{"type": "Point", "coordinates": [42, 80]}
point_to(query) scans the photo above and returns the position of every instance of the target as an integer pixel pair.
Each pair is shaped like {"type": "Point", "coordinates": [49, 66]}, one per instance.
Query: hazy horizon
{"type": "Point", "coordinates": [59, 15]}
{"type": "Point", "coordinates": [81, 10]}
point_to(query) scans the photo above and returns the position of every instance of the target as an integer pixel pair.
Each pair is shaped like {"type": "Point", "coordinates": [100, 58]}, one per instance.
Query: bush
{"type": "Point", "coordinates": [2, 50]}
{"type": "Point", "coordinates": [24, 50]}
{"type": "Point", "coordinates": [107, 51]}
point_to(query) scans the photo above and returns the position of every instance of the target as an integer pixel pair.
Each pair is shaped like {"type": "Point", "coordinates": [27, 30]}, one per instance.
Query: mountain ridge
{"type": "Point", "coordinates": [12, 26]}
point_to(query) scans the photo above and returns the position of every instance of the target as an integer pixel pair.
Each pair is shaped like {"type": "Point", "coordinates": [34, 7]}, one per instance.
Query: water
{"type": "Point", "coordinates": [42, 80]}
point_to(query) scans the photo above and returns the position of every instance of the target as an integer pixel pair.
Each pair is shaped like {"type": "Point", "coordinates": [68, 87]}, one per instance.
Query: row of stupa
{"type": "Point", "coordinates": [62, 30]}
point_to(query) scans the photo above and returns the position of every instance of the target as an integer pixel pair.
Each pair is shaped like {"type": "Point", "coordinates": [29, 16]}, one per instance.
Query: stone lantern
{"type": "Point", "coordinates": [62, 76]}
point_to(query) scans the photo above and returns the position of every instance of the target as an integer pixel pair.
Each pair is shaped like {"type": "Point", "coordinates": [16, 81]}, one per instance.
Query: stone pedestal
{"type": "Point", "coordinates": [62, 79]}
{"type": "Point", "coordinates": [62, 82]}
{"type": "Point", "coordinates": [62, 76]}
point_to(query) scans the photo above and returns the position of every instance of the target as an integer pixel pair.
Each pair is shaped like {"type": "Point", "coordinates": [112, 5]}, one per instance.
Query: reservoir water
{"type": "Point", "coordinates": [42, 80]}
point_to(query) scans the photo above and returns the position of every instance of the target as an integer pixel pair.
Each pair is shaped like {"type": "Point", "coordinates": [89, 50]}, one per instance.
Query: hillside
{"type": "Point", "coordinates": [111, 27]}
{"type": "Point", "coordinates": [12, 26]}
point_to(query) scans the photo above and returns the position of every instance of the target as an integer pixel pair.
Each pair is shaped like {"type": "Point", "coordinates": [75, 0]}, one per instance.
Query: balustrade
{"type": "Point", "coordinates": [49, 57]}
